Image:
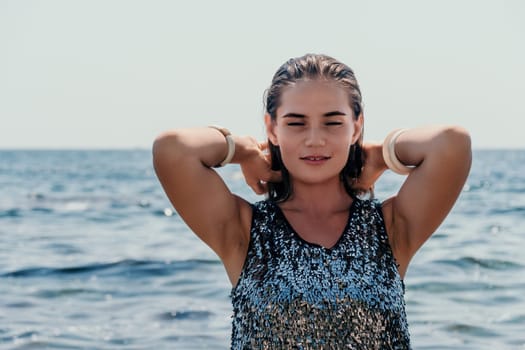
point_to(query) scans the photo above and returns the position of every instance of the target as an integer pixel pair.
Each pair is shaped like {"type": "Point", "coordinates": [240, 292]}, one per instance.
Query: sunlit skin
{"type": "Point", "coordinates": [311, 129]}
{"type": "Point", "coordinates": [314, 130]}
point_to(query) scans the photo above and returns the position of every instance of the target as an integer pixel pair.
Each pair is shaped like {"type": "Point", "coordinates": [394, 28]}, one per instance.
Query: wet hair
{"type": "Point", "coordinates": [314, 67]}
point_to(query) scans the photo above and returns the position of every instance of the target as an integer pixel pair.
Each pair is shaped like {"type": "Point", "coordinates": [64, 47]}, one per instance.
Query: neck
{"type": "Point", "coordinates": [318, 198]}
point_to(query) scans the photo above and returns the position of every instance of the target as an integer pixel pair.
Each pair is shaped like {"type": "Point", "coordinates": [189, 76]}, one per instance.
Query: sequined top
{"type": "Point", "coordinates": [293, 294]}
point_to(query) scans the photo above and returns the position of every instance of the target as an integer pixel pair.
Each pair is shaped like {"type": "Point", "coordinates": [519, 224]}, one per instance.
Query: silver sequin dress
{"type": "Point", "coordinates": [293, 294]}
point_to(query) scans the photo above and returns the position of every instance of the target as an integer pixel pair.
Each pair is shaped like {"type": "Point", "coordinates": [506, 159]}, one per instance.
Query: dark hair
{"type": "Point", "coordinates": [314, 67]}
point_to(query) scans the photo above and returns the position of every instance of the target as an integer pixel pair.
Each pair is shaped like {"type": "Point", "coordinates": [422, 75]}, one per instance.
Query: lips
{"type": "Point", "coordinates": [315, 158]}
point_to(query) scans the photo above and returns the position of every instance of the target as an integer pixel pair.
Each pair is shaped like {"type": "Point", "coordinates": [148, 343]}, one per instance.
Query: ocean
{"type": "Point", "coordinates": [93, 256]}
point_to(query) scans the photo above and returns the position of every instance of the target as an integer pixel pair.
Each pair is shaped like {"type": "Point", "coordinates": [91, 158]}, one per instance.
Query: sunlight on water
{"type": "Point", "coordinates": [93, 256]}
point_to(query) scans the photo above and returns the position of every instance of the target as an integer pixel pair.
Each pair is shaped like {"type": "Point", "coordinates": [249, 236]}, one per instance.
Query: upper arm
{"type": "Point", "coordinates": [431, 189]}
{"type": "Point", "coordinates": [200, 196]}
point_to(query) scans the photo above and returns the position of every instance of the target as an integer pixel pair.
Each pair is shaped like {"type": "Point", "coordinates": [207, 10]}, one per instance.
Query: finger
{"type": "Point", "coordinates": [263, 145]}
{"type": "Point", "coordinates": [267, 157]}
{"type": "Point", "coordinates": [257, 187]}
{"type": "Point", "coordinates": [263, 187]}
{"type": "Point", "coordinates": [272, 176]}
{"type": "Point", "coordinates": [275, 176]}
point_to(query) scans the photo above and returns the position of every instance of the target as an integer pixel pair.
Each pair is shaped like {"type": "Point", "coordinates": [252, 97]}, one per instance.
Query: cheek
{"type": "Point", "coordinates": [344, 158]}
{"type": "Point", "coordinates": [344, 152]}
{"type": "Point", "coordinates": [287, 151]}
{"type": "Point", "coordinates": [287, 137]}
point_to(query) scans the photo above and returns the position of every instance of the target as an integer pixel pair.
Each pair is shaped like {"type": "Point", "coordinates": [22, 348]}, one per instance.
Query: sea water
{"type": "Point", "coordinates": [93, 256]}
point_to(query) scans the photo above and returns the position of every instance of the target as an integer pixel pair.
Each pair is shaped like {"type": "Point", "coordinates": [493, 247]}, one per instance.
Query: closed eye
{"type": "Point", "coordinates": [334, 123]}
{"type": "Point", "coordinates": [295, 124]}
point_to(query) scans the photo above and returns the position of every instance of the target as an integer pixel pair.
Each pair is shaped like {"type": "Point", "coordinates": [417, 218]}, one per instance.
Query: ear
{"type": "Point", "coordinates": [358, 128]}
{"type": "Point", "coordinates": [270, 129]}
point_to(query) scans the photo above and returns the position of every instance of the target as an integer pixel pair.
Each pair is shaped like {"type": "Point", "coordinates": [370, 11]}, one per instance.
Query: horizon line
{"type": "Point", "coordinates": [141, 148]}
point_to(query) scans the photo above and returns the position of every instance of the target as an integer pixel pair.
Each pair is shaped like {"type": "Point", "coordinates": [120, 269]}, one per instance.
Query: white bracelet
{"type": "Point", "coordinates": [389, 154]}
{"type": "Point", "coordinates": [231, 145]}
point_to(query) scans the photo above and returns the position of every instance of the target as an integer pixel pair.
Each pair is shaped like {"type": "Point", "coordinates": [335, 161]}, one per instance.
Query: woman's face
{"type": "Point", "coordinates": [314, 130]}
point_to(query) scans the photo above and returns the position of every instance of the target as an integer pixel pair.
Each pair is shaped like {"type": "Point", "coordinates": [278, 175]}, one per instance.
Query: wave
{"type": "Point", "coordinates": [446, 287]}
{"type": "Point", "coordinates": [11, 213]}
{"type": "Point", "coordinates": [510, 210]}
{"type": "Point", "coordinates": [127, 266]}
{"type": "Point", "coordinates": [185, 315]}
{"type": "Point", "coordinates": [85, 207]}
{"type": "Point", "coordinates": [486, 263]}
{"type": "Point", "coordinates": [470, 330]}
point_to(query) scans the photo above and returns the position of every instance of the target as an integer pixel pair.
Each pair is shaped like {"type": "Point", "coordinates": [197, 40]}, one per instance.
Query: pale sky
{"type": "Point", "coordinates": [114, 74]}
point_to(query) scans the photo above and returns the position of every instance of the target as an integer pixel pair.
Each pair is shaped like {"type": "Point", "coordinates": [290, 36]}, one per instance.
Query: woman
{"type": "Point", "coordinates": [314, 266]}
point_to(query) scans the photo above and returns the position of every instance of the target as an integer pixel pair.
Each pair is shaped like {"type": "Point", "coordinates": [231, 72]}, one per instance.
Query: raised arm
{"type": "Point", "coordinates": [183, 160]}
{"type": "Point", "coordinates": [442, 156]}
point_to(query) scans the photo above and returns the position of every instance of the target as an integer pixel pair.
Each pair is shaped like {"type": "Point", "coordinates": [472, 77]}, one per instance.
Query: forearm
{"type": "Point", "coordinates": [374, 166]}
{"type": "Point", "coordinates": [417, 145]}
{"type": "Point", "coordinates": [374, 155]}
{"type": "Point", "coordinates": [206, 145]}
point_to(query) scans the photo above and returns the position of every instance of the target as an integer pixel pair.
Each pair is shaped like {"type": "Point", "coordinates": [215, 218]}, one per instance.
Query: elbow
{"type": "Point", "coordinates": [162, 142]}
{"type": "Point", "coordinates": [458, 138]}
{"type": "Point", "coordinates": [457, 144]}
{"type": "Point", "coordinates": [166, 147]}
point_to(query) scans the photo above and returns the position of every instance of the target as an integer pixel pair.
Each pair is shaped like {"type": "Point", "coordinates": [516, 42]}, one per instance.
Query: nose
{"type": "Point", "coordinates": [315, 138]}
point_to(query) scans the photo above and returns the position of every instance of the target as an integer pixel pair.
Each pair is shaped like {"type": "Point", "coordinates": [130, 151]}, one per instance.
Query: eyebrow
{"type": "Point", "coordinates": [297, 115]}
